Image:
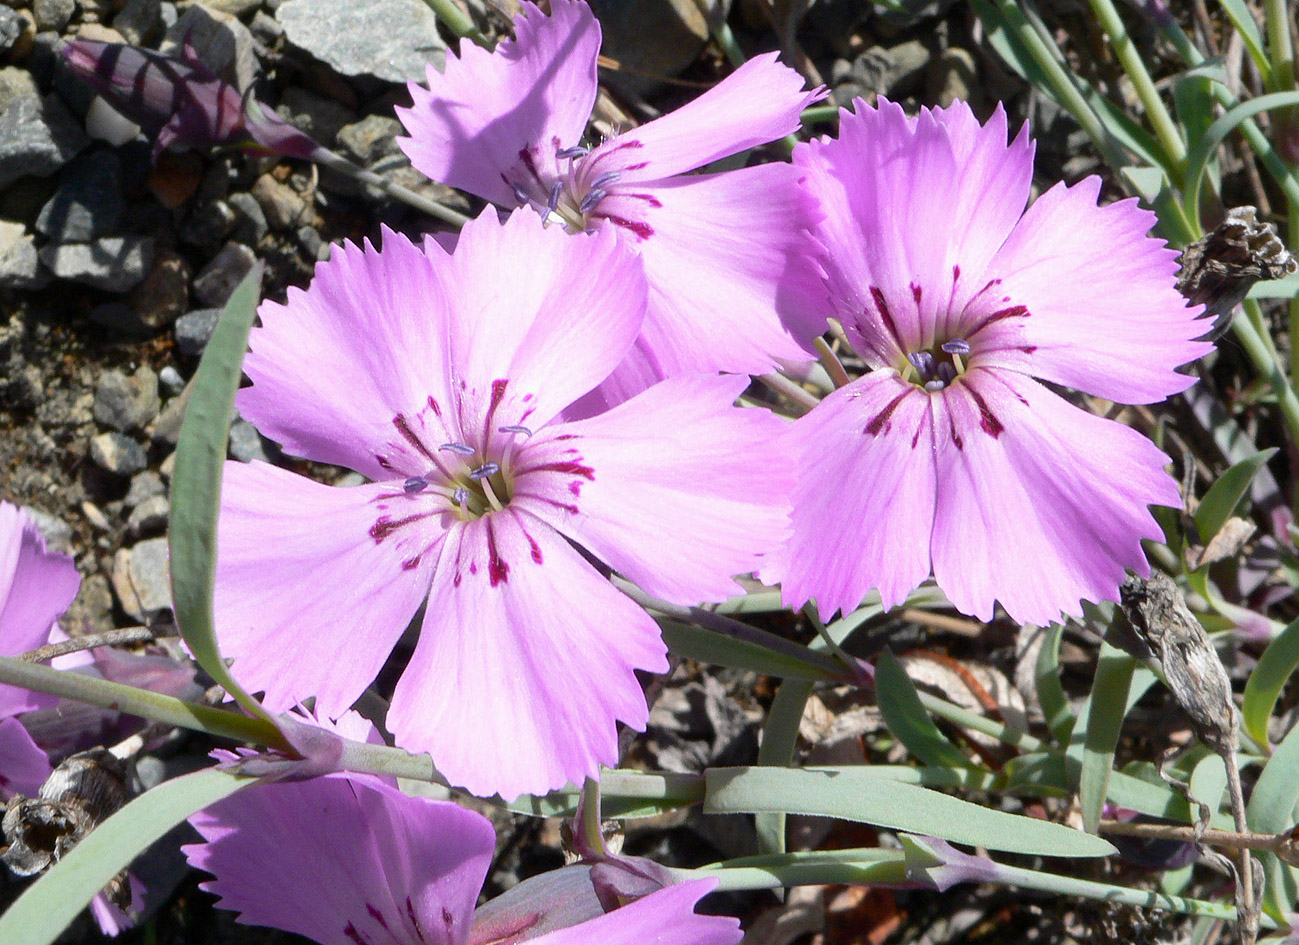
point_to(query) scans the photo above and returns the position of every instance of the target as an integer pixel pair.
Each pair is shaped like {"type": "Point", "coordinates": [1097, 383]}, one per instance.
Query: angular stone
{"type": "Point", "coordinates": [221, 41]}
{"type": "Point", "coordinates": [219, 278]}
{"type": "Point", "coordinates": [37, 135]}
{"type": "Point", "coordinates": [370, 139]}
{"type": "Point", "coordinates": [246, 444]}
{"type": "Point", "coordinates": [117, 454]}
{"type": "Point", "coordinates": [53, 14]}
{"type": "Point", "coordinates": [170, 381]}
{"type": "Point", "coordinates": [390, 39]}
{"type": "Point", "coordinates": [88, 203]}
{"type": "Point", "coordinates": [127, 403]}
{"type": "Point", "coordinates": [283, 206]}
{"type": "Point", "coordinates": [114, 263]}
{"type": "Point", "coordinates": [144, 485]}
{"type": "Point", "coordinates": [193, 331]}
{"type": "Point", "coordinates": [250, 221]}
{"type": "Point", "coordinates": [139, 21]}
{"type": "Point", "coordinates": [142, 579]}
{"type": "Point", "coordinates": [21, 267]}
{"type": "Point", "coordinates": [164, 294]}
{"type": "Point", "coordinates": [57, 533]}
{"type": "Point", "coordinates": [149, 516]}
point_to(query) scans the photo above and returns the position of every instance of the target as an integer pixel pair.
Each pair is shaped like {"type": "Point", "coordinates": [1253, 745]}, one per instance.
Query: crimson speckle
{"type": "Point", "coordinates": [536, 548]}
{"type": "Point", "coordinates": [881, 419]}
{"type": "Point", "coordinates": [987, 420]}
{"type": "Point", "coordinates": [575, 487]}
{"type": "Point", "coordinates": [498, 570]}
{"type": "Point", "coordinates": [410, 564]}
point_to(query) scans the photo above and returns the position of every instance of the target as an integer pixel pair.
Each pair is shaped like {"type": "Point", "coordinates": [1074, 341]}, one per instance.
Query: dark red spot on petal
{"type": "Point", "coordinates": [575, 487]}
{"type": "Point", "coordinates": [886, 315]}
{"type": "Point", "coordinates": [881, 419]}
{"type": "Point", "coordinates": [410, 564]}
{"type": "Point", "coordinates": [350, 932]}
{"type": "Point", "coordinates": [414, 919]}
{"type": "Point", "coordinates": [566, 436]}
{"type": "Point", "coordinates": [642, 230]}
{"type": "Point", "coordinates": [403, 427]}
{"type": "Point", "coordinates": [535, 548]}
{"type": "Point", "coordinates": [473, 567]}
{"type": "Point", "coordinates": [433, 405]}
{"type": "Point", "coordinates": [916, 293]}
{"type": "Point", "coordinates": [987, 419]}
{"type": "Point", "coordinates": [382, 461]}
{"type": "Point", "coordinates": [956, 273]}
{"type": "Point", "coordinates": [1013, 311]}
{"type": "Point", "coordinates": [376, 915]}
{"type": "Point", "coordinates": [956, 436]}
{"type": "Point", "coordinates": [498, 570]}
{"type": "Point", "coordinates": [384, 526]}
{"type": "Point", "coordinates": [562, 466]}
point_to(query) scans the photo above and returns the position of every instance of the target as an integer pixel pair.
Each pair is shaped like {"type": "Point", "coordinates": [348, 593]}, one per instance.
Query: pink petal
{"type": "Point", "coordinates": [666, 917]}
{"type": "Point", "coordinates": [113, 921]}
{"type": "Point", "coordinates": [524, 662]}
{"type": "Point", "coordinates": [468, 127]}
{"type": "Point", "coordinates": [906, 202]}
{"type": "Point", "coordinates": [551, 314]}
{"type": "Point", "coordinates": [23, 766]}
{"type": "Point", "coordinates": [307, 601]}
{"type": "Point", "coordinates": [333, 365]}
{"type": "Point", "coordinates": [35, 587]}
{"type": "Point", "coordinates": [345, 860]}
{"type": "Point", "coordinates": [1105, 316]}
{"type": "Point", "coordinates": [759, 102]}
{"type": "Point", "coordinates": [734, 274]}
{"type": "Point", "coordinates": [864, 502]}
{"type": "Point", "coordinates": [1041, 504]}
{"type": "Point", "coordinates": [686, 490]}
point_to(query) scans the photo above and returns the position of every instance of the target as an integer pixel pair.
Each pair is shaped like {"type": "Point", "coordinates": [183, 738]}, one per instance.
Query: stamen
{"type": "Point", "coordinates": [576, 151]}
{"type": "Point", "coordinates": [414, 484]}
{"type": "Point", "coordinates": [606, 178]}
{"type": "Point", "coordinates": [485, 470]}
{"type": "Point", "coordinates": [516, 428]}
{"type": "Point", "coordinates": [460, 449]}
{"type": "Point", "coordinates": [923, 362]}
{"type": "Point", "coordinates": [460, 496]}
{"type": "Point", "coordinates": [946, 373]}
{"type": "Point", "coordinates": [592, 200]}
{"type": "Point", "coordinates": [556, 191]}
{"type": "Point", "coordinates": [935, 385]}
{"type": "Point", "coordinates": [956, 346]}
{"type": "Point", "coordinates": [520, 194]}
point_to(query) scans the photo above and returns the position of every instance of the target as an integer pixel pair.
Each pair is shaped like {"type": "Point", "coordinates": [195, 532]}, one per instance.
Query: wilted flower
{"type": "Point", "coordinates": [443, 377]}
{"type": "Point", "coordinates": [950, 453]}
{"type": "Point", "coordinates": [361, 863]}
{"type": "Point", "coordinates": [180, 102]}
{"type": "Point", "coordinates": [726, 255]}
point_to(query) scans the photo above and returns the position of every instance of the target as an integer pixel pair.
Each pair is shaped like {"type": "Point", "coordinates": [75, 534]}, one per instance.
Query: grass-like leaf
{"type": "Point", "coordinates": [709, 646]}
{"type": "Point", "coordinates": [1274, 668]}
{"type": "Point", "coordinates": [907, 719]}
{"type": "Point", "coordinates": [51, 903]}
{"type": "Point", "coordinates": [1225, 495]}
{"type": "Point", "coordinates": [196, 485]}
{"type": "Point", "coordinates": [1271, 810]}
{"type": "Point", "coordinates": [855, 794]}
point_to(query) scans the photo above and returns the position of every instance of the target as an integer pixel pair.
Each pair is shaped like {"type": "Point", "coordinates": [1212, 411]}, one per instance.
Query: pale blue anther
{"type": "Point", "coordinates": [576, 151]}
{"type": "Point", "coordinates": [608, 177]}
{"type": "Point", "coordinates": [516, 428]}
{"type": "Point", "coordinates": [923, 362]}
{"type": "Point", "coordinates": [414, 484]}
{"type": "Point", "coordinates": [485, 470]}
{"type": "Point", "coordinates": [556, 191]}
{"type": "Point", "coordinates": [956, 346]}
{"type": "Point", "coordinates": [592, 200]}
{"type": "Point", "coordinates": [460, 449]}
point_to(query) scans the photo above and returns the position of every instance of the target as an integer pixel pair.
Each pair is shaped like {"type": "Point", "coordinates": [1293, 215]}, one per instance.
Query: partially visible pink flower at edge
{"type": "Point", "coordinates": [951, 455]}
{"type": "Point", "coordinates": [734, 282]}
{"type": "Point", "coordinates": [180, 102]}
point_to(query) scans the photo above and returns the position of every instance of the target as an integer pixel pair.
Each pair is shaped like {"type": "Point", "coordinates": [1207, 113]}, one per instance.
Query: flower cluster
{"type": "Point", "coordinates": [549, 412]}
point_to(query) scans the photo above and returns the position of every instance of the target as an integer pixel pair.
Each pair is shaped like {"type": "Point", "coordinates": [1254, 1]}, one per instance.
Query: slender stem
{"type": "Point", "coordinates": [1246, 906]}
{"type": "Point", "coordinates": [833, 367]}
{"type": "Point", "coordinates": [783, 385]}
{"type": "Point", "coordinates": [1266, 364]}
{"type": "Point", "coordinates": [978, 723]}
{"type": "Point", "coordinates": [89, 642]}
{"type": "Point", "coordinates": [590, 808]}
{"type": "Point", "coordinates": [721, 31]}
{"type": "Point", "coordinates": [456, 21]}
{"type": "Point", "coordinates": [1164, 126]}
{"type": "Point", "coordinates": [1183, 834]}
{"type": "Point", "coordinates": [815, 114]}
{"type": "Point", "coordinates": [1280, 49]}
{"type": "Point", "coordinates": [140, 702]}
{"type": "Point", "coordinates": [337, 162]}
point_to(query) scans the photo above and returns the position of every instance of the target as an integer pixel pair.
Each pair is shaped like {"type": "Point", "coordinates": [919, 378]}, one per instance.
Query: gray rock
{"type": "Point", "coordinates": [651, 37]}
{"type": "Point", "coordinates": [265, 29]}
{"type": "Point", "coordinates": [88, 203]}
{"type": "Point", "coordinates": [144, 485]}
{"type": "Point", "coordinates": [11, 28]}
{"type": "Point", "coordinates": [140, 21]}
{"type": "Point", "coordinates": [896, 71]}
{"type": "Point", "coordinates": [164, 294]}
{"type": "Point", "coordinates": [321, 118]}
{"type": "Point", "coordinates": [113, 263]}
{"type": "Point", "coordinates": [193, 331]}
{"type": "Point", "coordinates": [232, 7]}
{"type": "Point", "coordinates": [53, 14]}
{"type": "Point", "coordinates": [37, 135]}
{"type": "Point", "coordinates": [208, 224]}
{"type": "Point", "coordinates": [150, 516]}
{"type": "Point", "coordinates": [250, 222]}
{"type": "Point", "coordinates": [283, 206]}
{"type": "Point", "coordinates": [219, 278]}
{"type": "Point", "coordinates": [391, 39]}
{"type": "Point", "coordinates": [57, 533]}
{"type": "Point", "coordinates": [246, 444]}
{"type": "Point", "coordinates": [221, 41]}
{"type": "Point", "coordinates": [119, 317]}
{"type": "Point", "coordinates": [142, 580]}
{"type": "Point", "coordinates": [370, 139]}
{"type": "Point", "coordinates": [170, 381]}
{"type": "Point", "coordinates": [125, 403]}
{"type": "Point", "coordinates": [312, 244]}
{"type": "Point", "coordinates": [117, 454]}
{"type": "Point", "coordinates": [167, 428]}
{"type": "Point", "coordinates": [21, 267]}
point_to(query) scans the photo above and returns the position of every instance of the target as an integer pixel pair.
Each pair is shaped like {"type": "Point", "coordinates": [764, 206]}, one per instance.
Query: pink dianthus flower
{"type": "Point", "coordinates": [728, 260]}
{"type": "Point", "coordinates": [951, 454]}
{"type": "Point", "coordinates": [443, 378]}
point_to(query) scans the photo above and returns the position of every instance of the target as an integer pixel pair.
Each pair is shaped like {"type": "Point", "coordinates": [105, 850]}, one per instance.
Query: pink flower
{"type": "Point", "coordinates": [353, 861]}
{"type": "Point", "coordinates": [950, 454]}
{"type": "Point", "coordinates": [727, 255]}
{"type": "Point", "coordinates": [443, 377]}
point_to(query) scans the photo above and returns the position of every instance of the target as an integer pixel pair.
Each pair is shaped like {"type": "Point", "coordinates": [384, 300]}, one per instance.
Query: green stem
{"type": "Point", "coordinates": [140, 702]}
{"type": "Point", "coordinates": [339, 163]}
{"type": "Point", "coordinates": [722, 34]}
{"type": "Point", "coordinates": [815, 114]}
{"type": "Point", "coordinates": [1279, 47]}
{"type": "Point", "coordinates": [979, 723]}
{"type": "Point", "coordinates": [457, 22]}
{"type": "Point", "coordinates": [1164, 126]}
{"type": "Point", "coordinates": [1266, 364]}
{"type": "Point", "coordinates": [590, 825]}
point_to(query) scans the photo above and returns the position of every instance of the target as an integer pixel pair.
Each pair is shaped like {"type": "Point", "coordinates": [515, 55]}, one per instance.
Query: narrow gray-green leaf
{"type": "Point", "coordinates": [50, 904]}
{"type": "Point", "coordinates": [1269, 677]}
{"type": "Point", "coordinates": [1224, 495]}
{"type": "Point", "coordinates": [851, 794]}
{"type": "Point", "coordinates": [907, 719]}
{"type": "Point", "coordinates": [779, 739]}
{"type": "Point", "coordinates": [196, 484]}
{"type": "Point", "coordinates": [1271, 810]}
{"type": "Point", "coordinates": [1050, 691]}
{"type": "Point", "coordinates": [709, 646]}
{"type": "Point", "coordinates": [1203, 149]}
{"type": "Point", "coordinates": [1103, 719]}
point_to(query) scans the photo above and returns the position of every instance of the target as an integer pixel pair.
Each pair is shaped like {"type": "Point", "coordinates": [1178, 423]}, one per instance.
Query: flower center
{"type": "Point", "coordinates": [936, 368]}
{"type": "Point", "coordinates": [471, 483]}
{"type": "Point", "coordinates": [566, 191]}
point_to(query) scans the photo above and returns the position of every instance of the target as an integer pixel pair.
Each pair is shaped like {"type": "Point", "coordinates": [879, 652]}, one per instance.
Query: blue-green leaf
{"type": "Point", "coordinates": [1225, 495]}
{"type": "Point", "coordinates": [907, 719]}
{"type": "Point", "coordinates": [855, 794]}
{"type": "Point", "coordinates": [1269, 677]}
